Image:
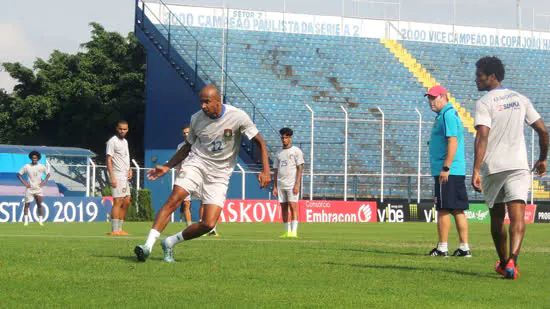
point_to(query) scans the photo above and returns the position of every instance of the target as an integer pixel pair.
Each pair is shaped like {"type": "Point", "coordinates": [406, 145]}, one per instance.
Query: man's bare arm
{"type": "Point", "coordinates": [179, 156]}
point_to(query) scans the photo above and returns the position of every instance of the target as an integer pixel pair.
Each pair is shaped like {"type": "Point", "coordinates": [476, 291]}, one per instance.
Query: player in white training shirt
{"type": "Point", "coordinates": [209, 157]}
{"type": "Point", "coordinates": [118, 165]}
{"type": "Point", "coordinates": [185, 209]}
{"type": "Point", "coordinates": [34, 184]}
{"type": "Point", "coordinates": [501, 170]}
{"type": "Point", "coordinates": [288, 166]}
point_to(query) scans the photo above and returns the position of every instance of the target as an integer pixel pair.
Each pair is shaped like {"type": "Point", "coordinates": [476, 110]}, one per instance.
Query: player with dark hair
{"type": "Point", "coordinates": [34, 184]}
{"type": "Point", "coordinates": [288, 166]}
{"type": "Point", "coordinates": [118, 166]}
{"type": "Point", "coordinates": [501, 170]}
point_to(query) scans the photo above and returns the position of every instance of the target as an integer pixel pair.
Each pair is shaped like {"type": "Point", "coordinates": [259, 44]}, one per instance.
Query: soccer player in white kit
{"type": "Point", "coordinates": [118, 165]}
{"type": "Point", "coordinates": [185, 209]}
{"type": "Point", "coordinates": [288, 166]}
{"type": "Point", "coordinates": [34, 184]}
{"type": "Point", "coordinates": [209, 154]}
{"type": "Point", "coordinates": [501, 170]}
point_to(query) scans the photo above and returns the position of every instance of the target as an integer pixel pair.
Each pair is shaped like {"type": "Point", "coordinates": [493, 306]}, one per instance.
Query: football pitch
{"type": "Point", "coordinates": [343, 265]}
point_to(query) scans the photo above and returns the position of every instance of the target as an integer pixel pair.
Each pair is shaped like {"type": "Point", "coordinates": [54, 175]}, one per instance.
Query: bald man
{"type": "Point", "coordinates": [209, 156]}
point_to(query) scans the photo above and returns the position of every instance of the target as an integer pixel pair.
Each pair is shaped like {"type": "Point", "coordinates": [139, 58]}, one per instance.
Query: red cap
{"type": "Point", "coordinates": [436, 91]}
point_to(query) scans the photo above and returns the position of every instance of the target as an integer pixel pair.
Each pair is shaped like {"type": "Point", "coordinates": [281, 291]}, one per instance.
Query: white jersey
{"type": "Point", "coordinates": [34, 174]}
{"type": "Point", "coordinates": [216, 142]}
{"type": "Point", "coordinates": [117, 148]}
{"type": "Point", "coordinates": [505, 111]}
{"type": "Point", "coordinates": [286, 162]}
{"type": "Point", "coordinates": [178, 167]}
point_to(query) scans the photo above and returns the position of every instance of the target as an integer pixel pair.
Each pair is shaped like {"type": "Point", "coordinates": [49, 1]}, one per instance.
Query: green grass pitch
{"type": "Point", "coordinates": [377, 265]}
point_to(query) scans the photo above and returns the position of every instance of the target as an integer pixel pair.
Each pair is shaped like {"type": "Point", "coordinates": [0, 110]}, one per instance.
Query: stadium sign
{"type": "Point", "coordinates": [309, 211]}
{"type": "Point", "coordinates": [478, 213]}
{"type": "Point", "coordinates": [529, 216]}
{"type": "Point", "coordinates": [542, 214]}
{"type": "Point", "coordinates": [251, 211]}
{"type": "Point", "coordinates": [217, 18]}
{"type": "Point", "coordinates": [56, 209]}
{"type": "Point", "coordinates": [393, 211]}
{"type": "Point", "coordinates": [337, 211]}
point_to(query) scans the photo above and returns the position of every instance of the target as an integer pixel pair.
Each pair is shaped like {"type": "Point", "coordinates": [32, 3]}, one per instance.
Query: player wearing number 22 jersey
{"type": "Point", "coordinates": [209, 156]}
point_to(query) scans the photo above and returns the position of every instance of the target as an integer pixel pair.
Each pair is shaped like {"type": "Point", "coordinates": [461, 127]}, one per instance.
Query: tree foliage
{"type": "Point", "coordinates": [76, 100]}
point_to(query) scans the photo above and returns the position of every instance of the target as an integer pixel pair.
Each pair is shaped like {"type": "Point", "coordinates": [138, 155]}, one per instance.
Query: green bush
{"type": "Point", "coordinates": [106, 191]}
{"type": "Point", "coordinates": [143, 198]}
{"type": "Point", "coordinates": [144, 201]}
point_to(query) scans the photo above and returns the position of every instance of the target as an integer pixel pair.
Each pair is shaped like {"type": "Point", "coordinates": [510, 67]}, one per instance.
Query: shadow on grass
{"type": "Point", "coordinates": [367, 251]}
{"type": "Point", "coordinates": [130, 259]}
{"type": "Point", "coordinates": [411, 268]}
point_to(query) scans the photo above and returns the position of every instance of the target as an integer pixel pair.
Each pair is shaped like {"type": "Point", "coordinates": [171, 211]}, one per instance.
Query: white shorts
{"type": "Point", "coordinates": [506, 186]}
{"type": "Point", "coordinates": [285, 196]}
{"type": "Point", "coordinates": [122, 188]}
{"type": "Point", "coordinates": [30, 193]}
{"type": "Point", "coordinates": [191, 178]}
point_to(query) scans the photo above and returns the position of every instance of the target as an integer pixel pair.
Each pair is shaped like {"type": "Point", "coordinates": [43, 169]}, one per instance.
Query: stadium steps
{"type": "Point", "coordinates": [428, 81]}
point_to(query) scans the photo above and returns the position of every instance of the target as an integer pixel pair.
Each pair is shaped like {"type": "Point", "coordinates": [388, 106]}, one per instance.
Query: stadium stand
{"type": "Point", "coordinates": [276, 74]}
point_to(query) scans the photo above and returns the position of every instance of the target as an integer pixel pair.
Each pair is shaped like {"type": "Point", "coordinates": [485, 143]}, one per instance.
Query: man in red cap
{"type": "Point", "coordinates": [448, 167]}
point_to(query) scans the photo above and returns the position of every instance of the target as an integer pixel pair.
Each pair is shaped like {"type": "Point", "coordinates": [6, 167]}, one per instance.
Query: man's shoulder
{"type": "Point", "coordinates": [235, 111]}
{"type": "Point", "coordinates": [113, 139]}
{"type": "Point", "coordinates": [196, 115]}
{"type": "Point", "coordinates": [297, 149]}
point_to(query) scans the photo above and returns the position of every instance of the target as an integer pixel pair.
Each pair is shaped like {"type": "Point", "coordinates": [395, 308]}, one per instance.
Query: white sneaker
{"type": "Point", "coordinates": [40, 222]}
{"type": "Point", "coordinates": [26, 223]}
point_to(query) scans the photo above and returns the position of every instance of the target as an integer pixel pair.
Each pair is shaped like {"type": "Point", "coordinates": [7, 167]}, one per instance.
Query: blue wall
{"type": "Point", "coordinates": [13, 162]}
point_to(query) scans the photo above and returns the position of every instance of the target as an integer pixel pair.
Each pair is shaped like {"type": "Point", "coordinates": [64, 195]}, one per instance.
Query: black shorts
{"type": "Point", "coordinates": [451, 195]}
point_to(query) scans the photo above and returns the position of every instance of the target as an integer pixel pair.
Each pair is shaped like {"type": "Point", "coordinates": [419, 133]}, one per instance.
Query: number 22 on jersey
{"type": "Point", "coordinates": [216, 146]}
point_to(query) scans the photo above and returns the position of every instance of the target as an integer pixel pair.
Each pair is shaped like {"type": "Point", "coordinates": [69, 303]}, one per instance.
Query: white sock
{"type": "Point", "coordinates": [151, 239]}
{"type": "Point", "coordinates": [464, 246]}
{"type": "Point", "coordinates": [189, 223]}
{"type": "Point", "coordinates": [41, 219]}
{"type": "Point", "coordinates": [114, 225]}
{"type": "Point", "coordinates": [287, 227]}
{"type": "Point", "coordinates": [294, 226]}
{"type": "Point", "coordinates": [120, 224]}
{"type": "Point", "coordinates": [26, 218]}
{"type": "Point", "coordinates": [442, 246]}
{"type": "Point", "coordinates": [174, 239]}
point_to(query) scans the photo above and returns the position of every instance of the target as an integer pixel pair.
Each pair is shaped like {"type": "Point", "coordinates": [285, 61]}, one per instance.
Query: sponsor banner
{"type": "Point", "coordinates": [57, 209]}
{"type": "Point", "coordinates": [251, 211]}
{"type": "Point", "coordinates": [235, 19]}
{"type": "Point", "coordinates": [478, 213]}
{"type": "Point", "coordinates": [393, 211]}
{"type": "Point", "coordinates": [337, 211]}
{"type": "Point", "coordinates": [309, 211]}
{"type": "Point", "coordinates": [529, 214]}
{"type": "Point", "coordinates": [426, 212]}
{"type": "Point", "coordinates": [542, 214]}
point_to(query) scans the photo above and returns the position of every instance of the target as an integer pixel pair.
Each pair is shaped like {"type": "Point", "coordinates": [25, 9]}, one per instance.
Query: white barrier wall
{"type": "Point", "coordinates": [350, 27]}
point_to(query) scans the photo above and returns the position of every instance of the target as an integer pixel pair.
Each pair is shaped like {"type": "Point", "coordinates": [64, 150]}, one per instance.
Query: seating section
{"type": "Point", "coordinates": [454, 67]}
{"type": "Point", "coordinates": [274, 75]}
